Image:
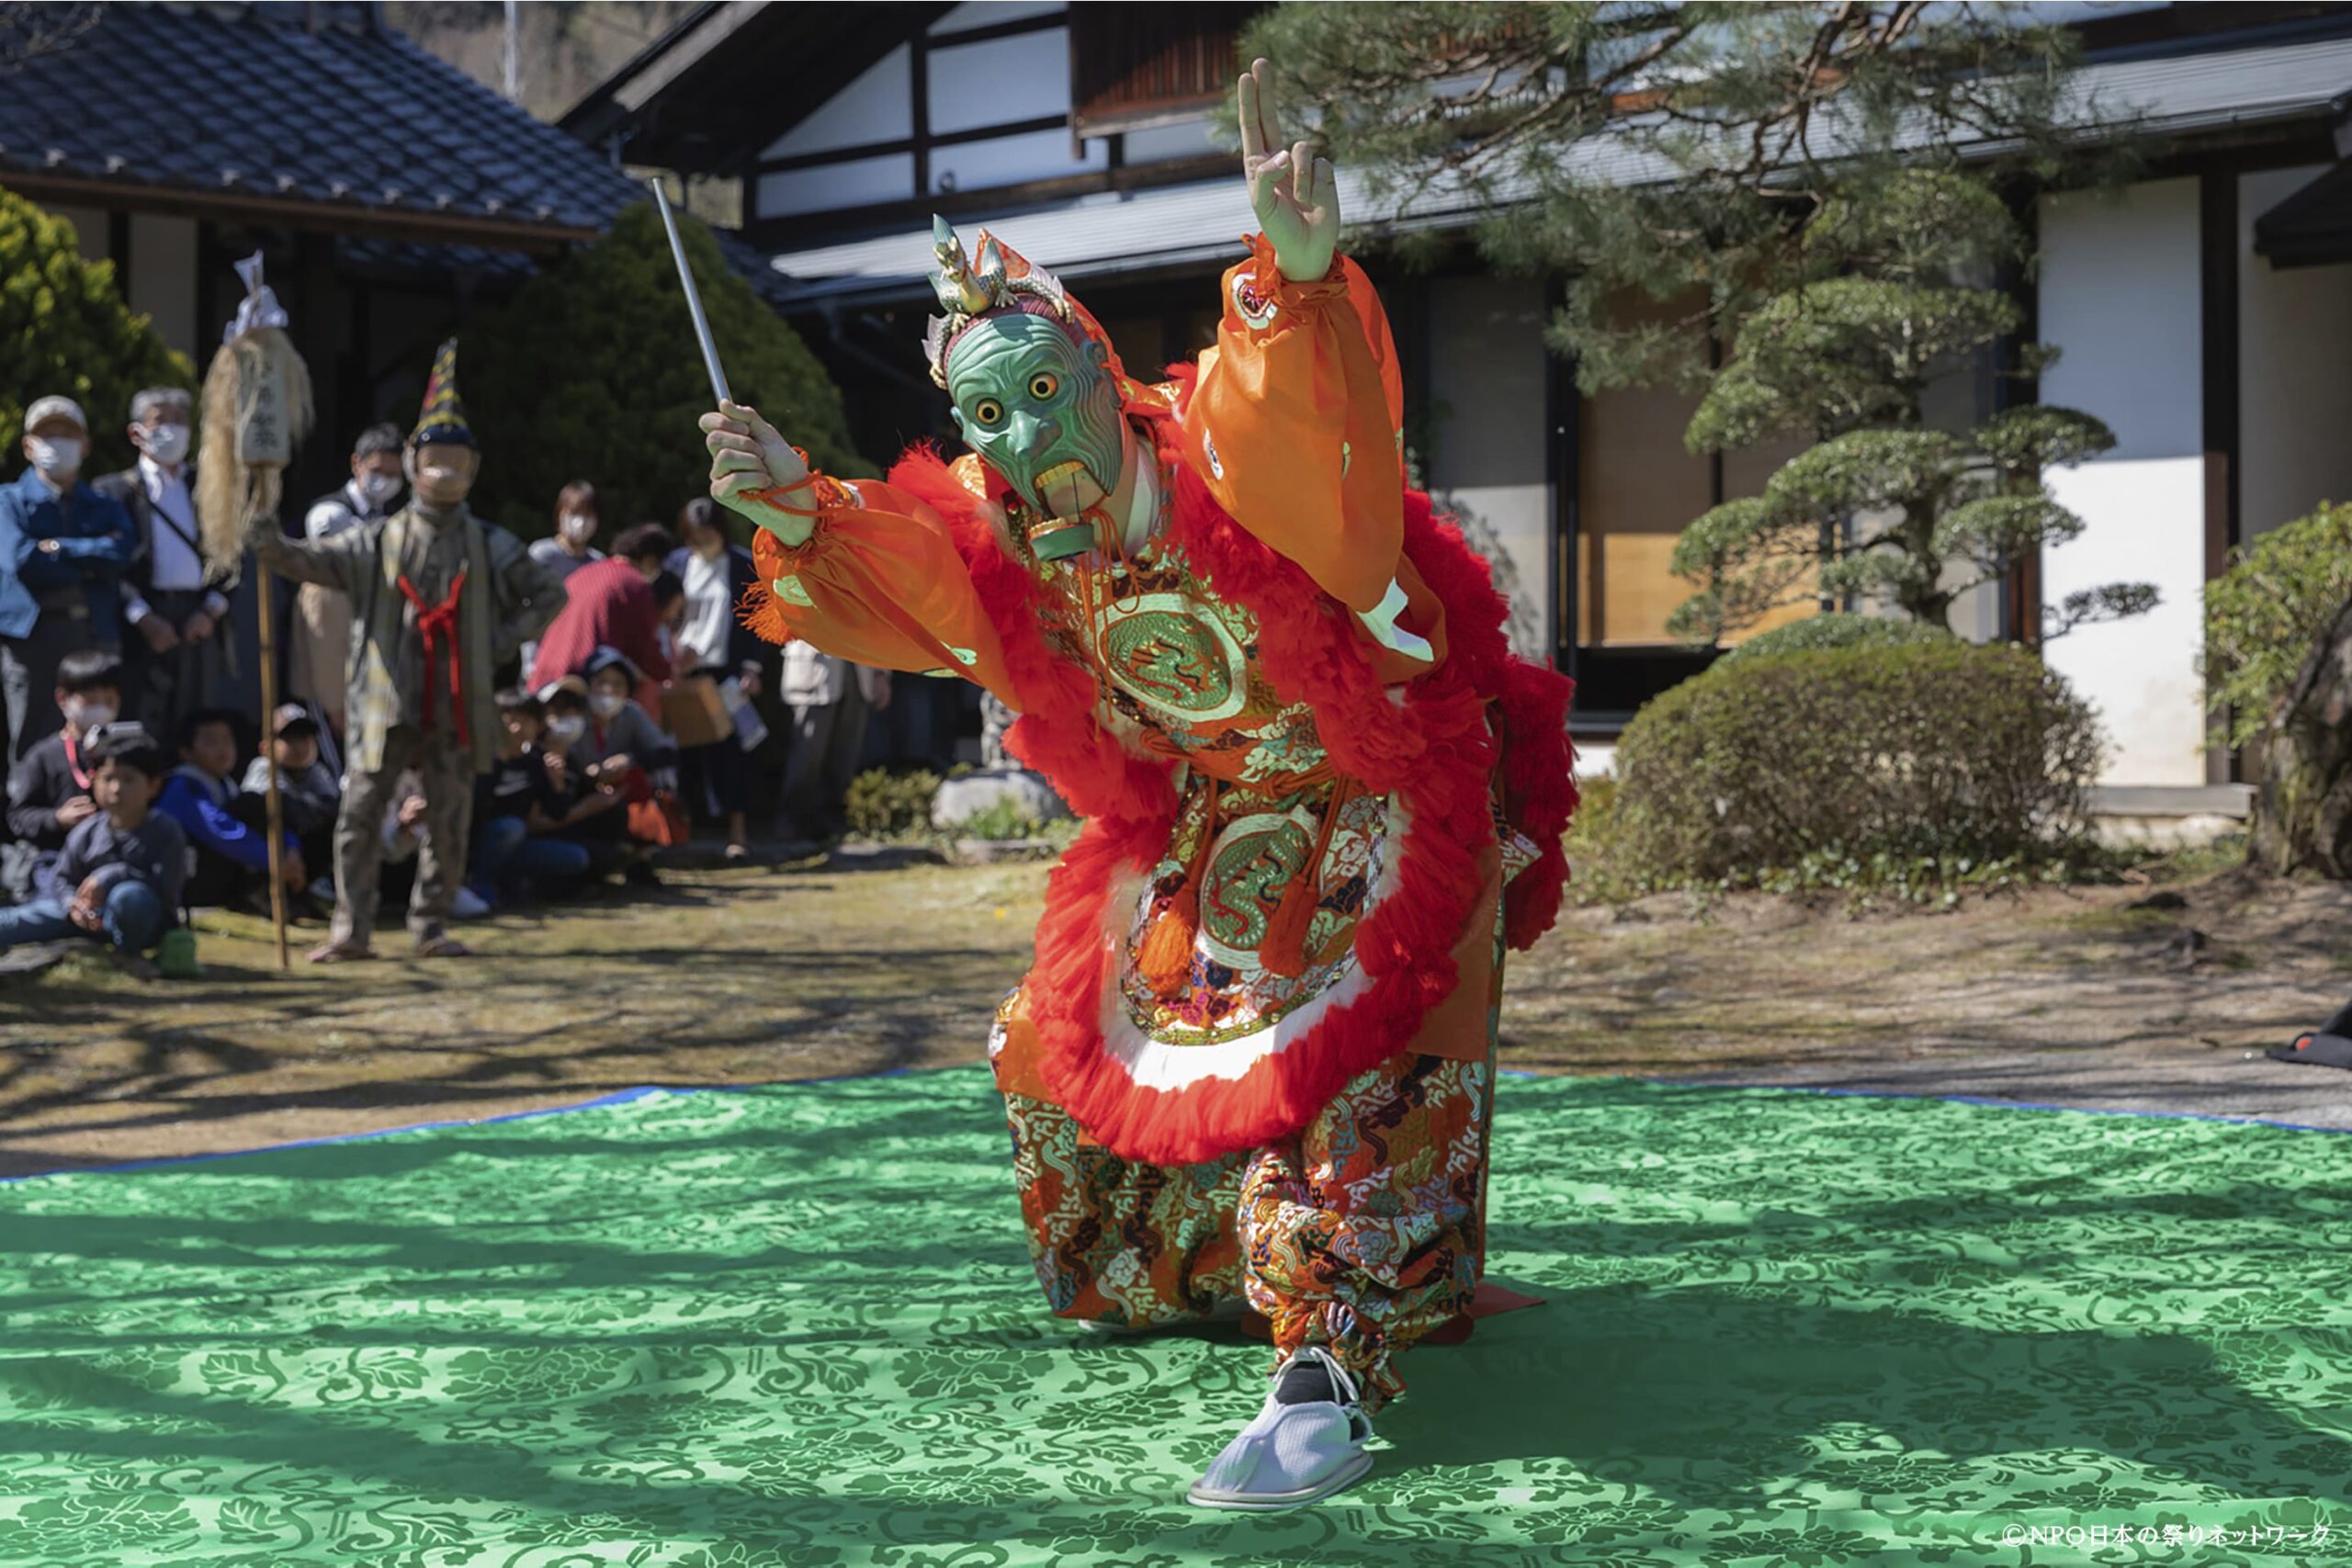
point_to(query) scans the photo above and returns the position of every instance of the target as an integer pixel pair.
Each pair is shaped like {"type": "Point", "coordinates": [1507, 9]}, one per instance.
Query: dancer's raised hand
{"type": "Point", "coordinates": [1294, 193]}
{"type": "Point", "coordinates": [748, 455]}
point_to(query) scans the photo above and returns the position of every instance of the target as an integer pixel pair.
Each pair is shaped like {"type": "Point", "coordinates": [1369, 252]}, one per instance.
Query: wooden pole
{"type": "Point", "coordinates": [264, 592]}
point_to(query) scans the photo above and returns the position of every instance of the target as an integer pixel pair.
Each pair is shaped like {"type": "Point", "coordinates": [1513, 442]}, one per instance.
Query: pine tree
{"type": "Point", "coordinates": [1879, 505]}
{"type": "Point", "coordinates": [1784, 179]}
{"type": "Point", "coordinates": [1673, 149]}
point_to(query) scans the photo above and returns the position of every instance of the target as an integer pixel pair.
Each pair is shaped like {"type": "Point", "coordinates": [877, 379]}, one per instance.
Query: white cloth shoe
{"type": "Point", "coordinates": [1291, 1454]}
{"type": "Point", "coordinates": [467, 905]}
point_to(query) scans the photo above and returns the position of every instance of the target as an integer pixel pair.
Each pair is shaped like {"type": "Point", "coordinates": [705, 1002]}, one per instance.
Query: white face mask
{"type": "Point", "coordinates": [59, 459]}
{"type": "Point", "coordinates": [168, 444]}
{"type": "Point", "coordinates": [380, 488]}
{"type": "Point", "coordinates": [565, 730]}
{"type": "Point", "coordinates": [604, 705]}
{"type": "Point", "coordinates": [579, 527]}
{"type": "Point", "coordinates": [87, 715]}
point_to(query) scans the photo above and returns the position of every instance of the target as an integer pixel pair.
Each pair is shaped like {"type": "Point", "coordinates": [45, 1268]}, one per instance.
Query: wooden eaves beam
{"type": "Point", "coordinates": [327, 217]}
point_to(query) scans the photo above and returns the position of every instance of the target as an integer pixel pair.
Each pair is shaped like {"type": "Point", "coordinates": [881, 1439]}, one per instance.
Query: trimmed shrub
{"type": "Point", "coordinates": [2264, 613]}
{"type": "Point", "coordinates": [884, 805]}
{"type": "Point", "coordinates": [1837, 629]}
{"type": "Point", "coordinates": [66, 329]}
{"type": "Point", "coordinates": [1919, 761]}
{"type": "Point", "coordinates": [591, 372]}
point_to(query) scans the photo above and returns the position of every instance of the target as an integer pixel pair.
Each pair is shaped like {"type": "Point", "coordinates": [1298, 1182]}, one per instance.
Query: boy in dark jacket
{"type": "Point", "coordinates": [223, 824]}
{"type": "Point", "coordinates": [118, 878]}
{"type": "Point", "coordinates": [308, 792]}
{"type": "Point", "coordinates": [49, 789]}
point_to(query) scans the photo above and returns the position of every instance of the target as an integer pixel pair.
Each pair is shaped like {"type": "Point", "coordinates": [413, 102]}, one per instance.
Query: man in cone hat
{"type": "Point", "coordinates": [439, 600]}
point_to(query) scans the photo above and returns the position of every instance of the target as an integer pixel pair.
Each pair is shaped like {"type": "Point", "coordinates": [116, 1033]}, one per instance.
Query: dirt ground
{"type": "Point", "coordinates": [2071, 996]}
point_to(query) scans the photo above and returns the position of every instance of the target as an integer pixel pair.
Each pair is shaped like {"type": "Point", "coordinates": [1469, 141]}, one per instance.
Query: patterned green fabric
{"type": "Point", "coordinates": [799, 1325]}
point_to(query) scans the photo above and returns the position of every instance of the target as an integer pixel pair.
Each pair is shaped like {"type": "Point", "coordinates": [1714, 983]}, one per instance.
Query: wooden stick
{"type": "Point", "coordinates": [264, 592]}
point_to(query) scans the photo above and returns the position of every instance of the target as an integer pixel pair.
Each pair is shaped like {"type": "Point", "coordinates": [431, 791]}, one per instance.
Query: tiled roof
{"type": "Point", "coordinates": [248, 101]}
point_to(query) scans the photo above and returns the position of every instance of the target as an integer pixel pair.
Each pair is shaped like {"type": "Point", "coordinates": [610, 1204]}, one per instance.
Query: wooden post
{"type": "Point", "coordinates": [264, 592]}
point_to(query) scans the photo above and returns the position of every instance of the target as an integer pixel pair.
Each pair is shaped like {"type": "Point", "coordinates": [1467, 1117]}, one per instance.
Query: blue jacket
{"type": "Point", "coordinates": [200, 804]}
{"type": "Point", "coordinates": [94, 541]}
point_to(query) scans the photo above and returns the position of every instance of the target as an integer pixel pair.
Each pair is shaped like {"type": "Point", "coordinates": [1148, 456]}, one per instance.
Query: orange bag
{"type": "Point", "coordinates": [659, 819]}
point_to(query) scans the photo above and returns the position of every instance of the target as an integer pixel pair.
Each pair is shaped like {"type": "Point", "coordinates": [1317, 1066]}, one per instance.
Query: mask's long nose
{"type": "Point", "coordinates": [1032, 434]}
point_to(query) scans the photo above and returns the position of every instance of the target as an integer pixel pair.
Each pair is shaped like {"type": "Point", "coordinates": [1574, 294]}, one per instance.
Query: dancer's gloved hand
{"type": "Point", "coordinates": [1294, 193]}
{"type": "Point", "coordinates": [749, 454]}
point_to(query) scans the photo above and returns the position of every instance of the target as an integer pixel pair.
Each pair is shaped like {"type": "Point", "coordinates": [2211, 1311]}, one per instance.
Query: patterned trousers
{"type": "Point", "coordinates": [1360, 1233]}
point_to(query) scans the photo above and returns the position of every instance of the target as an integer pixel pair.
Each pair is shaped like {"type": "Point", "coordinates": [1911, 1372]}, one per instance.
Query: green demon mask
{"type": "Point", "coordinates": [1040, 407]}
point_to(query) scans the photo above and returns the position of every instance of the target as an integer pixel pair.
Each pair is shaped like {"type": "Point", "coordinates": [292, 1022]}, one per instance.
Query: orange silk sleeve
{"type": "Point", "coordinates": [1297, 424]}
{"type": "Point", "coordinates": [878, 582]}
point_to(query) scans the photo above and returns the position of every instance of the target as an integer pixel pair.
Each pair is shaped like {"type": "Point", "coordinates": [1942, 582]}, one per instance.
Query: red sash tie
{"type": "Point", "coordinates": [432, 622]}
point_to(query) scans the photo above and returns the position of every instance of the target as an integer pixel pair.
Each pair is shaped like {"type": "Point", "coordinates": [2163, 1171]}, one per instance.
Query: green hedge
{"type": "Point", "coordinates": [1938, 754]}
{"type": "Point", "coordinates": [64, 328]}
{"type": "Point", "coordinates": [2263, 614]}
{"type": "Point", "coordinates": [886, 804]}
{"type": "Point", "coordinates": [591, 372]}
{"type": "Point", "coordinates": [1837, 629]}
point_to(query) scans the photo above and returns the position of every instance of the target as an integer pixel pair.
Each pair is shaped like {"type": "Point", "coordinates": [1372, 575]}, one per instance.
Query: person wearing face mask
{"type": "Point", "coordinates": [570, 546]}
{"type": "Point", "coordinates": [439, 600]}
{"type": "Point", "coordinates": [317, 664]}
{"type": "Point", "coordinates": [63, 548]}
{"type": "Point", "coordinates": [1253, 1063]}
{"type": "Point", "coordinates": [49, 789]}
{"type": "Point", "coordinates": [177, 656]}
{"type": "Point", "coordinates": [622, 751]}
{"type": "Point", "coordinates": [567, 549]}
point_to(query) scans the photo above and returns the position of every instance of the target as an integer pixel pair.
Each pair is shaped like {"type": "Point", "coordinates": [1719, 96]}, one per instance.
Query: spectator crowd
{"type": "Point", "coordinates": [140, 760]}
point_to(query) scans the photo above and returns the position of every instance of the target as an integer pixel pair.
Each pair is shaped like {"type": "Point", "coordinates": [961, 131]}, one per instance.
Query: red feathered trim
{"type": "Point", "coordinates": [1436, 753]}
{"type": "Point", "coordinates": [1057, 733]}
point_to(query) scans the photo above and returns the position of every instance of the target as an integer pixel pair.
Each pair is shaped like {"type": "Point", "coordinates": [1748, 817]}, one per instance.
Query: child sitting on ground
{"type": "Point", "coordinates": [519, 813]}
{"type": "Point", "coordinates": [49, 789]}
{"type": "Point", "coordinates": [224, 825]}
{"type": "Point", "coordinates": [118, 878]}
{"type": "Point", "coordinates": [625, 752]}
{"type": "Point", "coordinates": [310, 794]}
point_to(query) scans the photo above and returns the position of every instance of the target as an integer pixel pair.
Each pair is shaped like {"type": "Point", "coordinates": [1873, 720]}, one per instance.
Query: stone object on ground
{"type": "Point", "coordinates": [995, 719]}
{"type": "Point", "coordinates": [1014, 790]}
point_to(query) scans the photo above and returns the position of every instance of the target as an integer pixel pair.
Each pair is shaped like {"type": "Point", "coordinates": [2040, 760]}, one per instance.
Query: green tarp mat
{"type": "Point", "coordinates": [797, 1325]}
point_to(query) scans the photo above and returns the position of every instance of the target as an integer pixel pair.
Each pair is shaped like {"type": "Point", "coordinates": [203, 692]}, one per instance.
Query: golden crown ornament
{"type": "Point", "coordinates": [968, 291]}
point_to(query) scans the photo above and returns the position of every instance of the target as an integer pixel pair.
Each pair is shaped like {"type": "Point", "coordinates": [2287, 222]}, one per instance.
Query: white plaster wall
{"type": "Point", "coordinates": [878, 106]}
{"type": "Point", "coordinates": [1486, 363]}
{"type": "Point", "coordinates": [1009, 160]}
{"type": "Point", "coordinates": [2118, 295]}
{"type": "Point", "coordinates": [1188, 140]}
{"type": "Point", "coordinates": [989, 13]}
{"type": "Point", "coordinates": [890, 177]}
{"type": "Point", "coordinates": [162, 278]}
{"type": "Point", "coordinates": [2295, 397]}
{"type": "Point", "coordinates": [1000, 80]}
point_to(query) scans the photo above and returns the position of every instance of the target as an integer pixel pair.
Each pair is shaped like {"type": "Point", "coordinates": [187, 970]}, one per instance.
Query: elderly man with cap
{"type": "Point", "coordinates": [62, 551]}
{"type": "Point", "coordinates": [439, 600]}
{"type": "Point", "coordinates": [173, 603]}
